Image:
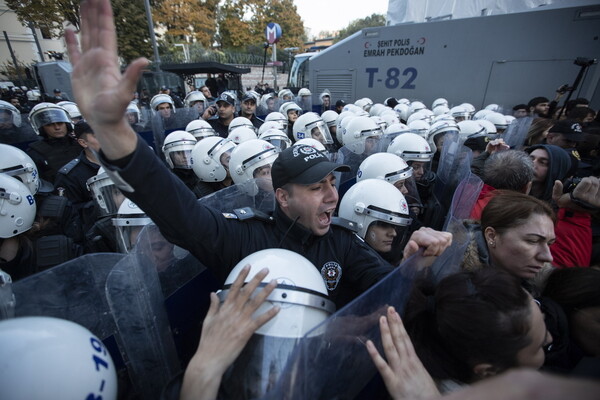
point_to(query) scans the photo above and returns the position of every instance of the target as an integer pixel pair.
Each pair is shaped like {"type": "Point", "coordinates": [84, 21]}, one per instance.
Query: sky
{"type": "Point", "coordinates": [333, 15]}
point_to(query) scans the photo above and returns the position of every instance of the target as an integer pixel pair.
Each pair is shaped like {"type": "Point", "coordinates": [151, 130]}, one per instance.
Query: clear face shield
{"type": "Point", "coordinates": [203, 132]}
{"type": "Point", "coordinates": [106, 194]}
{"type": "Point", "coordinates": [49, 116]}
{"type": "Point", "coordinates": [199, 105]}
{"type": "Point", "coordinates": [181, 158]}
{"type": "Point", "coordinates": [408, 188]}
{"type": "Point", "coordinates": [9, 118]}
{"type": "Point", "coordinates": [260, 165]}
{"type": "Point", "coordinates": [422, 173]}
{"type": "Point", "coordinates": [280, 142]}
{"type": "Point", "coordinates": [374, 142]}
{"type": "Point", "coordinates": [128, 228]}
{"type": "Point", "coordinates": [319, 131]}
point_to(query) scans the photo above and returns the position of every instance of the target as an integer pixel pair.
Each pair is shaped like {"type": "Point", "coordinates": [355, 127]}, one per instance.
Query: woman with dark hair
{"type": "Point", "coordinates": [538, 130]}
{"type": "Point", "coordinates": [475, 325]}
{"type": "Point", "coordinates": [515, 234]}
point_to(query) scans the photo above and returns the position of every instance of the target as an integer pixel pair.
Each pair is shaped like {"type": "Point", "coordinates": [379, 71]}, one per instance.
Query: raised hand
{"type": "Point", "coordinates": [404, 375]}
{"type": "Point", "coordinates": [225, 331]}
{"type": "Point", "coordinates": [102, 93]}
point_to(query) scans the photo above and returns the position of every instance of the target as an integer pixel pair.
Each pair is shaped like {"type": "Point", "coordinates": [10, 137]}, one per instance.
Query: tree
{"type": "Point", "coordinates": [188, 20]}
{"type": "Point", "coordinates": [130, 20]}
{"type": "Point", "coordinates": [354, 26]}
{"type": "Point", "coordinates": [242, 23]}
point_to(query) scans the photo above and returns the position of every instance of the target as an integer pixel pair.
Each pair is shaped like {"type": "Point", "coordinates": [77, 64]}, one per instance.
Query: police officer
{"type": "Point", "coordinates": [302, 178]}
{"type": "Point", "coordinates": [248, 110]}
{"type": "Point", "coordinates": [57, 147]}
{"type": "Point", "coordinates": [72, 177]}
{"type": "Point", "coordinates": [219, 116]}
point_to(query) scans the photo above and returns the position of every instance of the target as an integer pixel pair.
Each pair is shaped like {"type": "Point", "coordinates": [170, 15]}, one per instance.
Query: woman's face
{"type": "Point", "coordinates": [522, 250]}
{"type": "Point", "coordinates": [533, 355]}
{"type": "Point", "coordinates": [380, 236]}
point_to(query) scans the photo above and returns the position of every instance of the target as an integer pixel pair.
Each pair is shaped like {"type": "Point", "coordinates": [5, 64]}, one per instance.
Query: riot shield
{"type": "Point", "coordinates": [240, 196]}
{"type": "Point", "coordinates": [516, 133]}
{"type": "Point", "coordinates": [453, 167]}
{"type": "Point", "coordinates": [331, 361]}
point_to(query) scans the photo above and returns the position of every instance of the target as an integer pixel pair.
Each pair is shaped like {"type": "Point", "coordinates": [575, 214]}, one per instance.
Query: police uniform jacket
{"type": "Point", "coordinates": [49, 155]}
{"type": "Point", "coordinates": [73, 177]}
{"type": "Point", "coordinates": [346, 263]}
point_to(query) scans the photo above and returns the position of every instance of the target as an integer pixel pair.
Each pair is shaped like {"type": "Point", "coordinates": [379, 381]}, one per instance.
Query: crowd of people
{"type": "Point", "coordinates": [356, 190]}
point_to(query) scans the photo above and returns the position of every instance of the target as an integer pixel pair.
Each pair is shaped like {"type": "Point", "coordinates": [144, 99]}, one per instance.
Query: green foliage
{"type": "Point", "coordinates": [354, 26]}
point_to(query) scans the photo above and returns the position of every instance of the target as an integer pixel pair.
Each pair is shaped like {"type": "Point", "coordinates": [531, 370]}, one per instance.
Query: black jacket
{"type": "Point", "coordinates": [348, 265]}
{"type": "Point", "coordinates": [73, 177]}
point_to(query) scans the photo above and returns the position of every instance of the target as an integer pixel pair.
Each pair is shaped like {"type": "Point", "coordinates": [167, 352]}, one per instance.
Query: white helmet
{"type": "Point", "coordinates": [194, 96]}
{"type": "Point", "coordinates": [490, 128]}
{"type": "Point", "coordinates": [301, 292]}
{"type": "Point", "coordinates": [402, 110]}
{"type": "Point", "coordinates": [374, 200]}
{"type": "Point", "coordinates": [105, 193]}
{"type": "Point", "coordinates": [206, 158]}
{"type": "Point", "coordinates": [16, 163]}
{"type": "Point", "coordinates": [238, 122]}
{"type": "Point", "coordinates": [396, 128]}
{"type": "Point", "coordinates": [13, 111]}
{"type": "Point", "coordinates": [441, 110]}
{"type": "Point", "coordinates": [311, 125]}
{"type": "Point", "coordinates": [359, 129]}
{"type": "Point", "coordinates": [499, 120]}
{"type": "Point", "coordinates": [365, 103]}
{"type": "Point", "coordinates": [160, 99]}
{"type": "Point", "coordinates": [440, 128]}
{"type": "Point", "coordinates": [200, 129]}
{"type": "Point", "coordinates": [481, 113]}
{"type": "Point", "coordinates": [248, 157]}
{"type": "Point", "coordinates": [48, 113]}
{"type": "Point", "coordinates": [493, 107]}
{"type": "Point", "coordinates": [17, 207]}
{"type": "Point", "coordinates": [44, 356]}
{"type": "Point", "coordinates": [132, 108]}
{"type": "Point", "coordinates": [314, 143]}
{"type": "Point", "coordinates": [341, 125]}
{"type": "Point", "coordinates": [404, 100]}
{"type": "Point", "coordinates": [352, 108]}
{"type": "Point", "coordinates": [415, 106]}
{"type": "Point", "coordinates": [72, 110]}
{"type": "Point", "coordinates": [289, 106]}
{"type": "Point", "coordinates": [386, 166]}
{"type": "Point", "coordinates": [469, 128]}
{"type": "Point", "coordinates": [379, 121]}
{"type": "Point", "coordinates": [129, 222]}
{"type": "Point", "coordinates": [283, 93]}
{"type": "Point", "coordinates": [439, 102]}
{"type": "Point", "coordinates": [420, 127]}
{"type": "Point", "coordinates": [509, 119]}
{"type": "Point", "coordinates": [267, 125]}
{"type": "Point", "coordinates": [470, 108]}
{"type": "Point", "coordinates": [329, 117]}
{"type": "Point", "coordinates": [390, 117]}
{"type": "Point", "coordinates": [411, 147]}
{"type": "Point", "coordinates": [378, 108]}
{"type": "Point", "coordinates": [304, 92]}
{"type": "Point", "coordinates": [423, 115]}
{"type": "Point", "coordinates": [276, 137]}
{"type": "Point", "coordinates": [177, 149]}
{"type": "Point", "coordinates": [460, 112]}
{"type": "Point", "coordinates": [279, 118]}
{"type": "Point", "coordinates": [241, 134]}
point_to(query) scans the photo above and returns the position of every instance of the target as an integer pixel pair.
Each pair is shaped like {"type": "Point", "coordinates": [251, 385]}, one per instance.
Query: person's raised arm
{"type": "Point", "coordinates": [102, 93]}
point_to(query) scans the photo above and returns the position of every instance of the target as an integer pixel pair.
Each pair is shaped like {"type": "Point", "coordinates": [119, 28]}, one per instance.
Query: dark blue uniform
{"type": "Point", "coordinates": [347, 264]}
{"type": "Point", "coordinates": [72, 177]}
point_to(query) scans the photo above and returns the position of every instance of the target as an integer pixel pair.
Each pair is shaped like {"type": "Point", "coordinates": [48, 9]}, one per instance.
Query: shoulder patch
{"type": "Point", "coordinates": [344, 223]}
{"type": "Point", "coordinates": [69, 166]}
{"type": "Point", "coordinates": [230, 216]}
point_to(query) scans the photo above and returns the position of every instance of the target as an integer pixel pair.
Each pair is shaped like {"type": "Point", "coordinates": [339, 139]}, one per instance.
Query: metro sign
{"type": "Point", "coordinates": [273, 32]}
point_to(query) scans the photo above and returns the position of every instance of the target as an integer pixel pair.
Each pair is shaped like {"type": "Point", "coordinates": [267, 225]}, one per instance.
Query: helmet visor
{"type": "Point", "coordinates": [203, 132]}
{"type": "Point", "coordinates": [106, 195]}
{"type": "Point", "coordinates": [50, 116]}
{"type": "Point", "coordinates": [181, 158]}
{"type": "Point", "coordinates": [280, 143]}
{"type": "Point", "coordinates": [319, 131]}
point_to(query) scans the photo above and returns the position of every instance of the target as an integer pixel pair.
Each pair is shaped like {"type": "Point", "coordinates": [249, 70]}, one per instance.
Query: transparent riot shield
{"type": "Point", "coordinates": [331, 361]}
{"type": "Point", "coordinates": [253, 193]}
{"type": "Point", "coordinates": [516, 133]}
{"type": "Point", "coordinates": [453, 167]}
